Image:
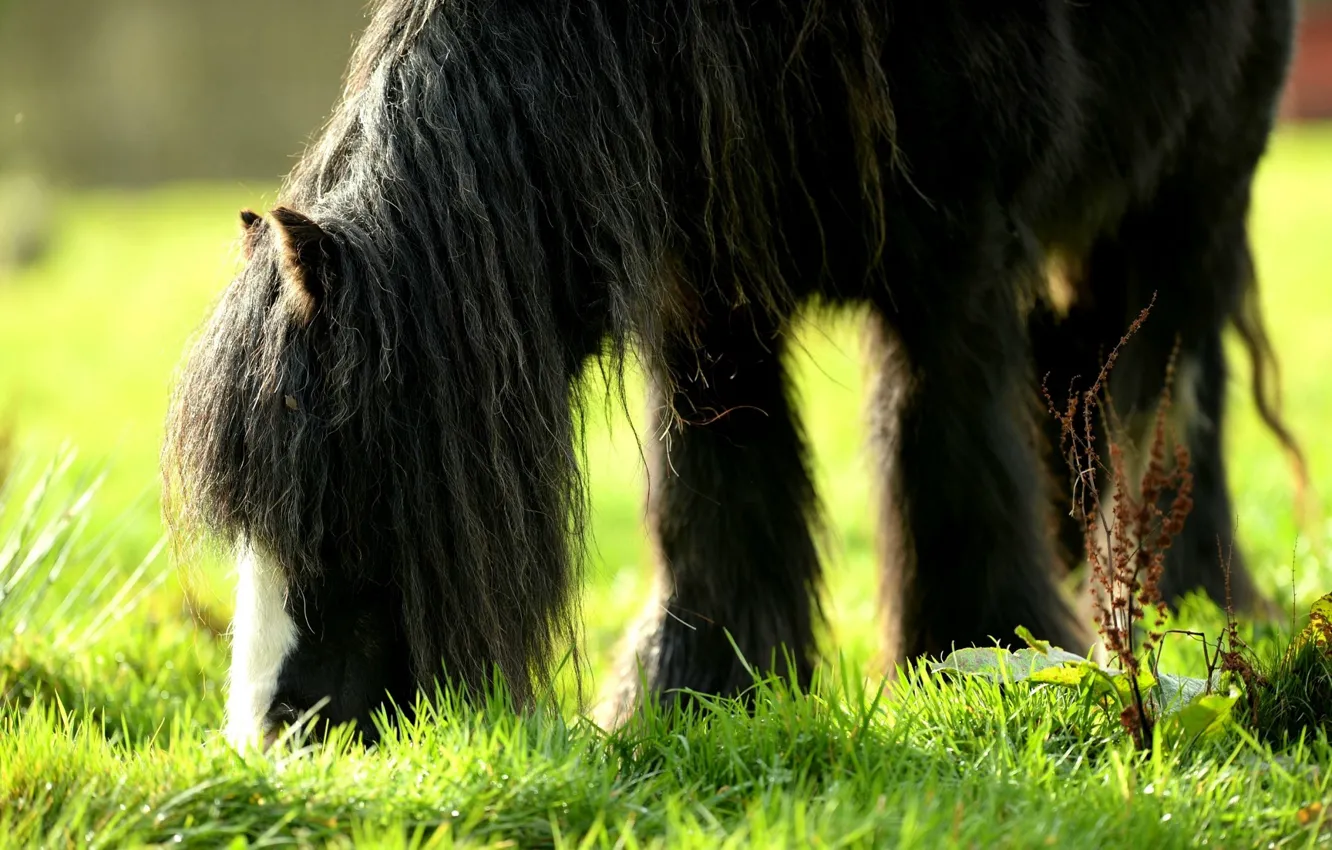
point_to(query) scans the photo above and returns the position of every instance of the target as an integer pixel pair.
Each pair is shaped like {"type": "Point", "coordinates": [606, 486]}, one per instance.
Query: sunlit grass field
{"type": "Point", "coordinates": [112, 690]}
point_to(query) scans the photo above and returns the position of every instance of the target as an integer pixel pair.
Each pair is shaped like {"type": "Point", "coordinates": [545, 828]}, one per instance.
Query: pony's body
{"type": "Point", "coordinates": [385, 405]}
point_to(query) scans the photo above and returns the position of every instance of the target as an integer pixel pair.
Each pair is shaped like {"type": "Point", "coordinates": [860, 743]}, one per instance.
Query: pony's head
{"type": "Point", "coordinates": [271, 441]}
{"type": "Point", "coordinates": [382, 414]}
{"type": "Point", "coordinates": [392, 459]}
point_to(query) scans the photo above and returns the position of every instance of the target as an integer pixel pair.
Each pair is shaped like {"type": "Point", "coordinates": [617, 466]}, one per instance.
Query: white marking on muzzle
{"type": "Point", "coordinates": [263, 635]}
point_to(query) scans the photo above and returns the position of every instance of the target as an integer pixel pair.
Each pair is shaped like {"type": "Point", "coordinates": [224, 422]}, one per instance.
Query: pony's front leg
{"type": "Point", "coordinates": [732, 506]}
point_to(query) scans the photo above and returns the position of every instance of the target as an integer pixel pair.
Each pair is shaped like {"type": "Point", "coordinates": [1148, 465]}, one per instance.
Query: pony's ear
{"type": "Point", "coordinates": [304, 261]}
{"type": "Point", "coordinates": [249, 218]}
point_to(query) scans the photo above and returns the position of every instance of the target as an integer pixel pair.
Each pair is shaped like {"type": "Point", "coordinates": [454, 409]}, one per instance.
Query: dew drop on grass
{"type": "Point", "coordinates": [177, 838]}
{"type": "Point", "coordinates": [1150, 789]}
{"type": "Point", "coordinates": [454, 813]}
{"type": "Point", "coordinates": [1165, 818]}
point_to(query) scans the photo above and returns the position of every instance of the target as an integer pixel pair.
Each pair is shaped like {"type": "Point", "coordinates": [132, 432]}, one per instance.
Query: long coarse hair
{"type": "Point", "coordinates": [389, 391]}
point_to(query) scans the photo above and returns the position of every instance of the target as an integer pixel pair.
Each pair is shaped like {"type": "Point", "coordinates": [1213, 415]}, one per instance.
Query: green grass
{"type": "Point", "coordinates": [107, 725]}
{"type": "Point", "coordinates": [934, 765]}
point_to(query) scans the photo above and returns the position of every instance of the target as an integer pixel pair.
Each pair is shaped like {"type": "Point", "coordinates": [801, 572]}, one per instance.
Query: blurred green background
{"type": "Point", "coordinates": [132, 131]}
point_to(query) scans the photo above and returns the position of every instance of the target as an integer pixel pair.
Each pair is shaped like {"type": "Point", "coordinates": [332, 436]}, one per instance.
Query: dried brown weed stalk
{"type": "Point", "coordinates": [1126, 541]}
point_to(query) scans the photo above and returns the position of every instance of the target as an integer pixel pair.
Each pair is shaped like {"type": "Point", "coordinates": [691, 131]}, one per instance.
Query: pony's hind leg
{"type": "Point", "coordinates": [731, 504]}
{"type": "Point", "coordinates": [968, 556]}
{"type": "Point", "coordinates": [1187, 249]}
{"type": "Point", "coordinates": [1186, 245]}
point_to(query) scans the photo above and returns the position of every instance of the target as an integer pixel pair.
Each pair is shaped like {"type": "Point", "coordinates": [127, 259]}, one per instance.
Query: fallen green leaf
{"type": "Point", "coordinates": [1038, 645]}
{"type": "Point", "coordinates": [1002, 665]}
{"type": "Point", "coordinates": [1204, 717]}
{"type": "Point", "coordinates": [1173, 693]}
{"type": "Point", "coordinates": [1318, 631]}
{"type": "Point", "coordinates": [1320, 622]}
{"type": "Point", "coordinates": [1040, 662]}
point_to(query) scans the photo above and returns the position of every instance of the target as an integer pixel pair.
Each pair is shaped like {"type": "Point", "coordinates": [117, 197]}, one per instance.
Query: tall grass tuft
{"type": "Point", "coordinates": [58, 583]}
{"type": "Point", "coordinates": [1294, 699]}
{"type": "Point", "coordinates": [77, 625]}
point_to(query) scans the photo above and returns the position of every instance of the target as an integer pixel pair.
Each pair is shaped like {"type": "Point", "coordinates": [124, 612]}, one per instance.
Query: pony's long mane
{"type": "Point", "coordinates": [494, 186]}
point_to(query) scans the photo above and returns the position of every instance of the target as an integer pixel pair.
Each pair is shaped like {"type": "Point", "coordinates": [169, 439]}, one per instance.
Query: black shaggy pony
{"type": "Point", "coordinates": [384, 411]}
